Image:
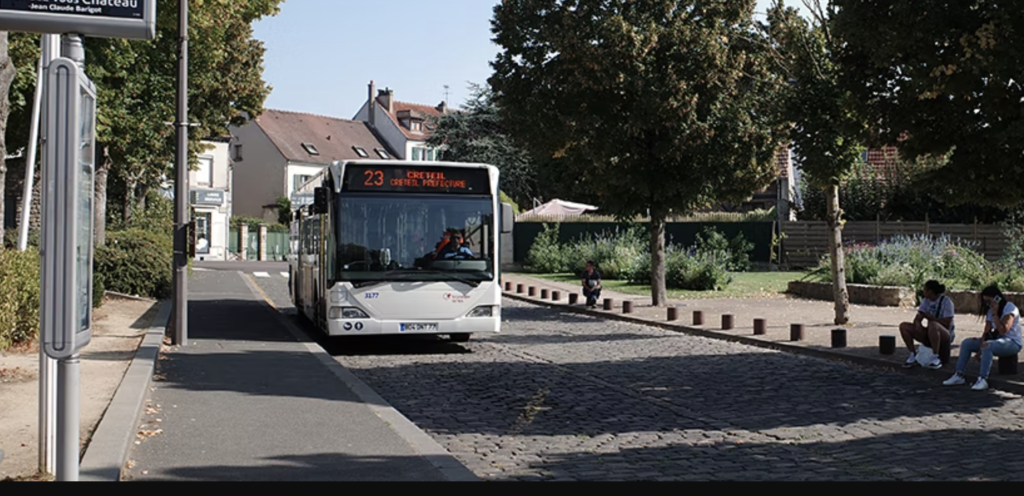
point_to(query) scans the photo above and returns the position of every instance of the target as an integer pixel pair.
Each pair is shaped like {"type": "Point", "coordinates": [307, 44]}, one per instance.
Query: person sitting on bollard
{"type": "Point", "coordinates": [1002, 337]}
{"type": "Point", "coordinates": [591, 285]}
{"type": "Point", "coordinates": [938, 310]}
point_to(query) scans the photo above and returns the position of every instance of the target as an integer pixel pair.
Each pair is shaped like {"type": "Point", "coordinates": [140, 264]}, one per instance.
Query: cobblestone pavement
{"type": "Point", "coordinates": [568, 397]}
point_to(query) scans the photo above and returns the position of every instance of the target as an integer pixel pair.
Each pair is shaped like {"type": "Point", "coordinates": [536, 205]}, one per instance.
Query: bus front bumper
{"type": "Point", "coordinates": [371, 327]}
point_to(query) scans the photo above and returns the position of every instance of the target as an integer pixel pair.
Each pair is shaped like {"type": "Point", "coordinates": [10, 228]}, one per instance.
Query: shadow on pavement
{"type": "Point", "coordinates": [320, 467]}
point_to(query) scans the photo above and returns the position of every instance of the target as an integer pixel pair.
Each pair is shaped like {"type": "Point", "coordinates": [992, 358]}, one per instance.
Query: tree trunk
{"type": "Point", "coordinates": [141, 194]}
{"type": "Point", "coordinates": [7, 73]}
{"type": "Point", "coordinates": [659, 293]}
{"type": "Point", "coordinates": [835, 241]}
{"type": "Point", "coordinates": [129, 201]}
{"type": "Point", "coordinates": [100, 199]}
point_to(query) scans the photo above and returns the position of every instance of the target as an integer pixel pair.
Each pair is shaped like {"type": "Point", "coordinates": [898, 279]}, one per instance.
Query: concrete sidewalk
{"type": "Point", "coordinates": [252, 399]}
{"type": "Point", "coordinates": [780, 314]}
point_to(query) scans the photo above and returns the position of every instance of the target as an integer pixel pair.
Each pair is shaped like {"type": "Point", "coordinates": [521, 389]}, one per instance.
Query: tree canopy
{"type": "Point", "coordinates": [657, 106]}
{"type": "Point", "coordinates": [943, 77]}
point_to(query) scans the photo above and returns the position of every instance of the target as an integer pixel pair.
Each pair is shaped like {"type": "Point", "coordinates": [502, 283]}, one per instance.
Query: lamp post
{"type": "Point", "coordinates": [181, 187]}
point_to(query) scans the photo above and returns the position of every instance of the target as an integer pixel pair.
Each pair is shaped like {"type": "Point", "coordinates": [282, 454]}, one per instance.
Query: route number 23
{"type": "Point", "coordinates": [374, 178]}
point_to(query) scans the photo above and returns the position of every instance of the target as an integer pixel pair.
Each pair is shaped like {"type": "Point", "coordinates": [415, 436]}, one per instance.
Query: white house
{"type": "Point", "coordinates": [279, 151]}
{"type": "Point", "coordinates": [210, 199]}
{"type": "Point", "coordinates": [404, 126]}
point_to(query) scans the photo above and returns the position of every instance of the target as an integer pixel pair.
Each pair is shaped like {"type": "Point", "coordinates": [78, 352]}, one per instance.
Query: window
{"type": "Point", "coordinates": [298, 181]}
{"type": "Point", "coordinates": [204, 176]}
{"type": "Point", "coordinates": [238, 153]}
{"type": "Point", "coordinates": [416, 126]}
{"type": "Point", "coordinates": [310, 149]}
{"type": "Point", "coordinates": [361, 152]}
{"type": "Point", "coordinates": [416, 154]}
{"type": "Point", "coordinates": [383, 154]}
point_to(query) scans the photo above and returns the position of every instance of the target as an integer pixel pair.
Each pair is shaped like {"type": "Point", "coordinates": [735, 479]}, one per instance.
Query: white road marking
{"type": "Point", "coordinates": [284, 274]}
{"type": "Point", "coordinates": [261, 274]}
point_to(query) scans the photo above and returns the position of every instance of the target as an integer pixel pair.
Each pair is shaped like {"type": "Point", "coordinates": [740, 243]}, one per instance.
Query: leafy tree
{"type": "Point", "coordinates": [943, 77]}
{"type": "Point", "coordinates": [7, 74]}
{"type": "Point", "coordinates": [828, 129]}
{"type": "Point", "coordinates": [659, 106]}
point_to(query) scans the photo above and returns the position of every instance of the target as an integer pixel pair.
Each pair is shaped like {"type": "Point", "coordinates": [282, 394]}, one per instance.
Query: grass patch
{"type": "Point", "coordinates": [747, 285]}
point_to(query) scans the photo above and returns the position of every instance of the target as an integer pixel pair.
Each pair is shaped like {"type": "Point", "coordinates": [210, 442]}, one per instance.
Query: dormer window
{"type": "Point", "coordinates": [310, 149]}
{"type": "Point", "coordinates": [361, 152]}
{"type": "Point", "coordinates": [383, 154]}
{"type": "Point", "coordinates": [416, 126]}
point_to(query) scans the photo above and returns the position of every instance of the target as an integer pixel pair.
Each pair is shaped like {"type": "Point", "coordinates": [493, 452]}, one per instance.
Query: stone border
{"type": "Point", "coordinates": [440, 458]}
{"type": "Point", "coordinates": [879, 296]}
{"type": "Point", "coordinates": [836, 356]}
{"type": "Point", "coordinates": [111, 444]}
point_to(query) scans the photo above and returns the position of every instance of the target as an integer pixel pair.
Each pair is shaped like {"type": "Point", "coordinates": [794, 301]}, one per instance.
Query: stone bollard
{"type": "Point", "coordinates": [839, 338]}
{"type": "Point", "coordinates": [544, 294]}
{"type": "Point", "coordinates": [608, 304]}
{"type": "Point", "coordinates": [574, 298]}
{"type": "Point", "coordinates": [243, 242]}
{"type": "Point", "coordinates": [627, 307]}
{"type": "Point", "coordinates": [760, 327]}
{"type": "Point", "coordinates": [887, 345]}
{"type": "Point", "coordinates": [673, 314]}
{"type": "Point", "coordinates": [698, 318]}
{"type": "Point", "coordinates": [796, 333]}
{"type": "Point", "coordinates": [1008, 365]}
{"type": "Point", "coordinates": [263, 243]}
{"type": "Point", "coordinates": [556, 296]}
{"type": "Point", "coordinates": [728, 322]}
{"type": "Point", "coordinates": [533, 292]}
{"type": "Point", "coordinates": [519, 289]}
{"type": "Point", "coordinates": [508, 287]}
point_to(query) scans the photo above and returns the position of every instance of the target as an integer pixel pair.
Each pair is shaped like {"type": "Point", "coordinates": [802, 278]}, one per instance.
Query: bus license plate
{"type": "Point", "coordinates": [419, 327]}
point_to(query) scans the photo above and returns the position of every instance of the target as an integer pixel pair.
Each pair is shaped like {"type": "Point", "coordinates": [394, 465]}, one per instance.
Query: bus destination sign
{"type": "Point", "coordinates": [364, 178]}
{"type": "Point", "coordinates": [124, 9]}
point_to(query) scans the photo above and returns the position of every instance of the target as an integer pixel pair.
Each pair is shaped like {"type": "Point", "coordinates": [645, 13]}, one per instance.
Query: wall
{"type": "Point", "coordinates": [388, 130]}
{"type": "Point", "coordinates": [299, 170]}
{"type": "Point", "coordinates": [807, 242]}
{"type": "Point", "coordinates": [260, 160]}
{"type": "Point", "coordinates": [757, 233]}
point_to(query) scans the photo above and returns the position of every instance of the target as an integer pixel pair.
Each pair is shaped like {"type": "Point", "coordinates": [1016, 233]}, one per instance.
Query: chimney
{"type": "Point", "coordinates": [386, 97]}
{"type": "Point", "coordinates": [371, 105]}
{"type": "Point", "coordinates": [443, 108]}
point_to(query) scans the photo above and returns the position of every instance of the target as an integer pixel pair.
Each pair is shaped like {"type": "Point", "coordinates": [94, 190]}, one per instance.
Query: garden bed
{"type": "Point", "coordinates": [965, 302]}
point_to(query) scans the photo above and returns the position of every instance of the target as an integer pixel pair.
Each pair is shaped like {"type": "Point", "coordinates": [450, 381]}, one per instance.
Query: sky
{"type": "Point", "coordinates": [322, 54]}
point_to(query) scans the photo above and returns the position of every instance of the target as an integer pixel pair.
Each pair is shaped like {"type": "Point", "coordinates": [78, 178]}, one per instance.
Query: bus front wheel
{"type": "Point", "coordinates": [460, 338]}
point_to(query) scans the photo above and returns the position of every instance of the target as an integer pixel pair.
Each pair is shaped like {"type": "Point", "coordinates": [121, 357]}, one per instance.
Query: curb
{"type": "Point", "coordinates": [111, 444]}
{"type": "Point", "coordinates": [440, 458]}
{"type": "Point", "coordinates": [994, 382]}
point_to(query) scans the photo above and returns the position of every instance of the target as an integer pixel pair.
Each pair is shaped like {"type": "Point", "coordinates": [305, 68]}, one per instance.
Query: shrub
{"type": "Point", "coordinates": [739, 249]}
{"type": "Point", "coordinates": [910, 261]}
{"type": "Point", "coordinates": [19, 308]}
{"type": "Point", "coordinates": [137, 262]}
{"type": "Point", "coordinates": [616, 253]}
{"type": "Point", "coordinates": [689, 269]}
{"type": "Point", "coordinates": [547, 255]}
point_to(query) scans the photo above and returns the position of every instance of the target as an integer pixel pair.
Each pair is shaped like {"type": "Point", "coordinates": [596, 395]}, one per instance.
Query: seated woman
{"type": "Point", "coordinates": [938, 310]}
{"type": "Point", "coordinates": [1002, 337]}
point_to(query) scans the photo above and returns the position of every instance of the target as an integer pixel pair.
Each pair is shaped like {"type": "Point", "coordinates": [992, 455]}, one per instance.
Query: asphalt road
{"type": "Point", "coordinates": [568, 397]}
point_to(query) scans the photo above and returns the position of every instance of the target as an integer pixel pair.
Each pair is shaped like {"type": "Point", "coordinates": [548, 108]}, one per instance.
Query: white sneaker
{"type": "Point", "coordinates": [981, 385]}
{"type": "Point", "coordinates": [936, 364]}
{"type": "Point", "coordinates": [911, 362]}
{"type": "Point", "coordinates": [956, 380]}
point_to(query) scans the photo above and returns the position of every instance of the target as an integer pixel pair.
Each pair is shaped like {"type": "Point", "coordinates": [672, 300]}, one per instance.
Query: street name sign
{"type": "Point", "coordinates": [127, 19]}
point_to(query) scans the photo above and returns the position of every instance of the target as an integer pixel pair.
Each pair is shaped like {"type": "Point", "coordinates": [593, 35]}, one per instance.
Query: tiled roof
{"type": "Point", "coordinates": [333, 138]}
{"type": "Point", "coordinates": [416, 110]}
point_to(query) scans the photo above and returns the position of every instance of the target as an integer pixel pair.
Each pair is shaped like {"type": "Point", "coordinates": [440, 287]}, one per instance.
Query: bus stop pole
{"type": "Point", "coordinates": [181, 209]}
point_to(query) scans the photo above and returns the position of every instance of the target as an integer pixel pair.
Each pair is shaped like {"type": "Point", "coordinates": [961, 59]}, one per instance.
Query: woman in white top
{"type": "Point", "coordinates": [1002, 338]}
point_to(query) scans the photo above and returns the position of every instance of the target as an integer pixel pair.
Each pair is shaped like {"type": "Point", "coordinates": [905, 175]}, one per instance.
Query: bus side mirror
{"type": "Point", "coordinates": [507, 218]}
{"type": "Point", "coordinates": [320, 200]}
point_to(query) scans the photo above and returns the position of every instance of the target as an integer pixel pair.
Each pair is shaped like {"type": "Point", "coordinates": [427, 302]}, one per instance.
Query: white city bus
{"type": "Point", "coordinates": [367, 254]}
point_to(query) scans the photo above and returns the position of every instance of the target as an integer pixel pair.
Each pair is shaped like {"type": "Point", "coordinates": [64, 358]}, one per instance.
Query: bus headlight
{"type": "Point", "coordinates": [482, 312]}
{"type": "Point", "coordinates": [337, 313]}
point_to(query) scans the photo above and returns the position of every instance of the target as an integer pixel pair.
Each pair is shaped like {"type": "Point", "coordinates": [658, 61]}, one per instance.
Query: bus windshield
{"type": "Point", "coordinates": [383, 238]}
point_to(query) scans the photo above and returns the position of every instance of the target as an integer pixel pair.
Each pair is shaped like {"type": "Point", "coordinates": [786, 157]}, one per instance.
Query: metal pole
{"type": "Point", "coordinates": [68, 444]}
{"type": "Point", "coordinates": [69, 448]}
{"type": "Point", "coordinates": [181, 209]}
{"type": "Point", "coordinates": [49, 50]}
